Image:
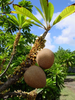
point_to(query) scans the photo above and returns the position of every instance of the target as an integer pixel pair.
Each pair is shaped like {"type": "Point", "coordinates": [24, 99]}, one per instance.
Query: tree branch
{"type": "Point", "coordinates": [7, 66]}
{"type": "Point", "coordinates": [14, 51]}
{"type": "Point", "coordinates": [13, 78]}
{"type": "Point", "coordinates": [19, 94]}
{"type": "Point", "coordinates": [7, 4]}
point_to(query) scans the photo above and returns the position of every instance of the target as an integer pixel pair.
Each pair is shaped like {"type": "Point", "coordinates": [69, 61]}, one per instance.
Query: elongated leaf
{"type": "Point", "coordinates": [15, 12]}
{"type": "Point", "coordinates": [20, 19]}
{"type": "Point", "coordinates": [40, 12]}
{"type": "Point", "coordinates": [12, 22]}
{"type": "Point", "coordinates": [36, 24]}
{"type": "Point", "coordinates": [14, 19]}
{"type": "Point", "coordinates": [50, 11]}
{"type": "Point", "coordinates": [1, 21]}
{"type": "Point", "coordinates": [31, 22]}
{"type": "Point", "coordinates": [69, 63]}
{"type": "Point", "coordinates": [39, 90]}
{"type": "Point", "coordinates": [66, 12]}
{"type": "Point", "coordinates": [25, 12]}
{"type": "Point", "coordinates": [44, 5]}
{"type": "Point", "coordinates": [25, 24]}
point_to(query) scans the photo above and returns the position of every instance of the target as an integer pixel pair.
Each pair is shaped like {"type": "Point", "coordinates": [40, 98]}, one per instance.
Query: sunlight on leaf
{"type": "Point", "coordinates": [25, 24]}
{"type": "Point", "coordinates": [66, 12]}
{"type": "Point", "coordinates": [15, 12]}
{"type": "Point", "coordinates": [39, 90]}
{"type": "Point", "coordinates": [20, 19]}
{"type": "Point", "coordinates": [44, 5]}
{"type": "Point", "coordinates": [40, 12]}
{"type": "Point", "coordinates": [13, 19]}
{"type": "Point", "coordinates": [32, 22]}
{"type": "Point", "coordinates": [50, 11]}
{"type": "Point", "coordinates": [25, 12]}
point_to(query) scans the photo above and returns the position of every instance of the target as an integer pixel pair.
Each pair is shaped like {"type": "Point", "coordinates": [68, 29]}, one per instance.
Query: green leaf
{"type": "Point", "coordinates": [1, 21]}
{"type": "Point", "coordinates": [39, 90]}
{"type": "Point", "coordinates": [20, 19]}
{"type": "Point", "coordinates": [15, 12]}
{"type": "Point", "coordinates": [8, 46]}
{"type": "Point", "coordinates": [44, 5]}
{"type": "Point", "coordinates": [28, 22]}
{"type": "Point", "coordinates": [12, 22]}
{"type": "Point", "coordinates": [1, 32]}
{"type": "Point", "coordinates": [40, 12]}
{"type": "Point", "coordinates": [25, 24]}
{"type": "Point", "coordinates": [50, 11]}
{"type": "Point", "coordinates": [25, 12]}
{"type": "Point", "coordinates": [69, 63]}
{"type": "Point", "coordinates": [36, 24]}
{"type": "Point", "coordinates": [66, 12]}
{"type": "Point", "coordinates": [14, 19]}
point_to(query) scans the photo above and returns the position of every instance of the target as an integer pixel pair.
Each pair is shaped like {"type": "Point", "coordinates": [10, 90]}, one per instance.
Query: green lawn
{"type": "Point", "coordinates": [67, 94]}
{"type": "Point", "coordinates": [72, 77]}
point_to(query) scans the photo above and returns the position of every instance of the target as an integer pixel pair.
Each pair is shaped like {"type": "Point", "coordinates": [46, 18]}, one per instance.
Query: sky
{"type": "Point", "coordinates": [63, 33]}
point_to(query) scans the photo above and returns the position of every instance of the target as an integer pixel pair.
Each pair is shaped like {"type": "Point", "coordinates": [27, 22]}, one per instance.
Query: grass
{"type": "Point", "coordinates": [72, 77]}
{"type": "Point", "coordinates": [67, 94]}
{"type": "Point", "coordinates": [70, 73]}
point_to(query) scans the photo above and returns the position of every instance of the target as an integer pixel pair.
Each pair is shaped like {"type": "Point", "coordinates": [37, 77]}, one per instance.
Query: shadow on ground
{"type": "Point", "coordinates": [69, 80]}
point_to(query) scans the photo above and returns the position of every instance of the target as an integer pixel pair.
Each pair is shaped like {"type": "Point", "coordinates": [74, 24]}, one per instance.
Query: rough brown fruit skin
{"type": "Point", "coordinates": [35, 77]}
{"type": "Point", "coordinates": [45, 58]}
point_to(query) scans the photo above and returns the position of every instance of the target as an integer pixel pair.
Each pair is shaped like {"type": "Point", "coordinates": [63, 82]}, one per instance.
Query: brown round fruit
{"type": "Point", "coordinates": [45, 58]}
{"type": "Point", "coordinates": [35, 77]}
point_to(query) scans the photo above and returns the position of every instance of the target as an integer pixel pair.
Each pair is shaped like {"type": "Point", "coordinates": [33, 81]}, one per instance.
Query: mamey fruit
{"type": "Point", "coordinates": [35, 77]}
{"type": "Point", "coordinates": [45, 58]}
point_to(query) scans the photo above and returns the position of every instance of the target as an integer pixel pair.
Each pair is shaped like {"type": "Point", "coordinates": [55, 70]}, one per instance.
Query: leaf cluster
{"type": "Point", "coordinates": [7, 38]}
{"type": "Point", "coordinates": [47, 14]}
{"type": "Point", "coordinates": [4, 4]}
{"type": "Point", "coordinates": [54, 82]}
{"type": "Point", "coordinates": [65, 56]}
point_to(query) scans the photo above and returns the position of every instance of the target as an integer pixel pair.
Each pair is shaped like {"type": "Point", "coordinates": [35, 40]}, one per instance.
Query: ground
{"type": "Point", "coordinates": [68, 93]}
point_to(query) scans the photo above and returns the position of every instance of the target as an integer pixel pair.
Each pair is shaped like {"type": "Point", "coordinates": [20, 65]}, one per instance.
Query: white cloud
{"type": "Point", "coordinates": [67, 27]}
{"type": "Point", "coordinates": [72, 0]}
{"type": "Point", "coordinates": [38, 16]}
{"type": "Point", "coordinates": [48, 42]}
